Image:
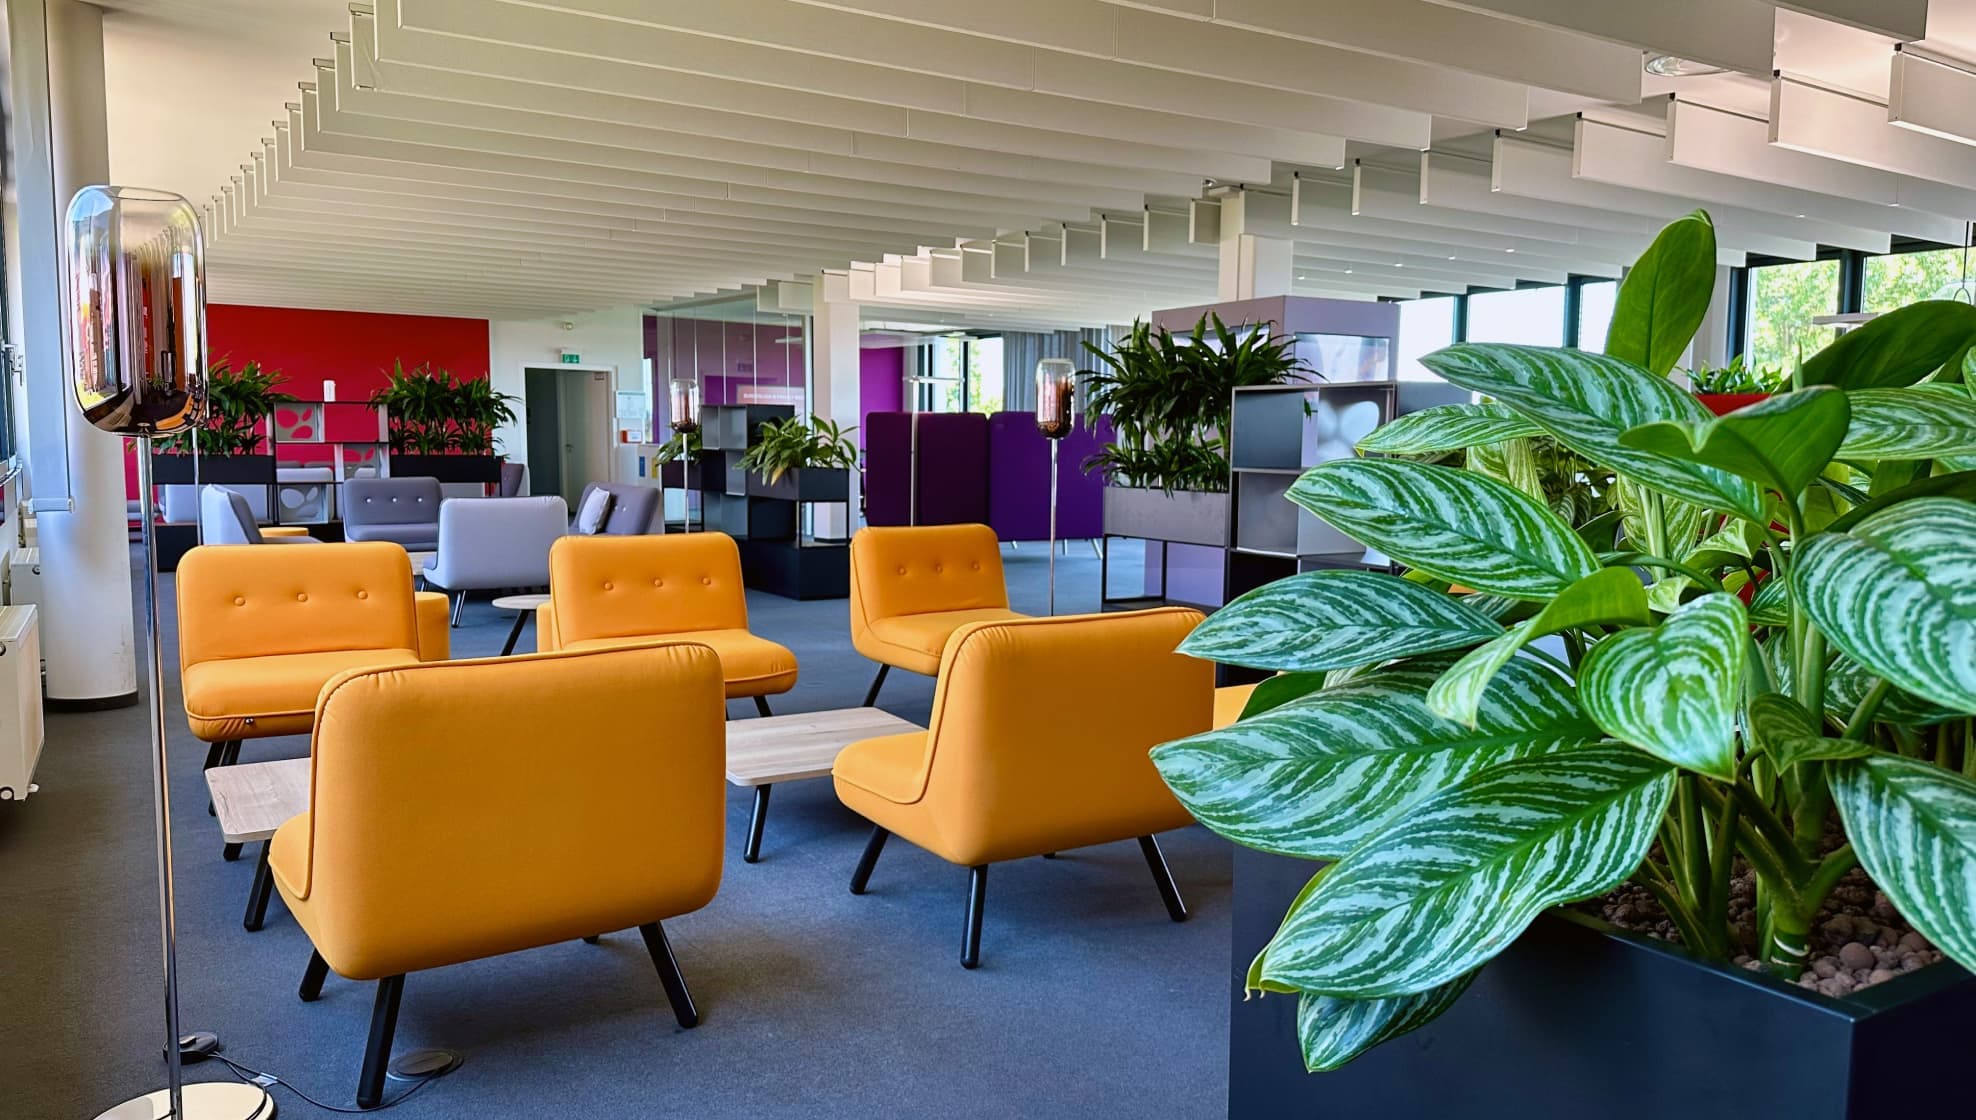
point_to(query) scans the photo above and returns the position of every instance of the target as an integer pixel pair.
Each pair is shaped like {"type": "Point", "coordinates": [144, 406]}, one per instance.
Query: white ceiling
{"type": "Point", "coordinates": [1026, 162]}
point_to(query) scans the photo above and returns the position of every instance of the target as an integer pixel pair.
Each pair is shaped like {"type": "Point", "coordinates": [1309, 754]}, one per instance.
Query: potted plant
{"type": "Point", "coordinates": [678, 460]}
{"type": "Point", "coordinates": [1774, 801]}
{"type": "Point", "coordinates": [441, 426]}
{"type": "Point", "coordinates": [801, 462]}
{"type": "Point", "coordinates": [1736, 385]}
{"type": "Point", "coordinates": [1169, 399]}
{"type": "Point", "coordinates": [232, 439]}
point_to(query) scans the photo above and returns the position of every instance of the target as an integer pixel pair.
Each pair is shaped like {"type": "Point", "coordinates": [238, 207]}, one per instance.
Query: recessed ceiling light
{"type": "Point", "coordinates": [1348, 272]}
{"type": "Point", "coordinates": [1663, 65]}
{"type": "Point", "coordinates": [1800, 215]}
{"type": "Point", "coordinates": [1451, 256]}
{"type": "Point", "coordinates": [1509, 250]}
{"type": "Point", "coordinates": [1397, 264]}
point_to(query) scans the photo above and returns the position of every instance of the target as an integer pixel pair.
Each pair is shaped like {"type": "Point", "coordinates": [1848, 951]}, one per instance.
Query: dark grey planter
{"type": "Point", "coordinates": [805, 484]}
{"type": "Point", "coordinates": [681, 475]}
{"type": "Point", "coordinates": [1182, 516]}
{"type": "Point", "coordinates": [224, 470]}
{"type": "Point", "coordinates": [447, 468]}
{"type": "Point", "coordinates": [1580, 1019]}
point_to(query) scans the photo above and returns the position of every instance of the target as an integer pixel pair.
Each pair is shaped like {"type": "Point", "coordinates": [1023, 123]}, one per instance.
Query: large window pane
{"type": "Point", "coordinates": [1899, 279]}
{"type": "Point", "coordinates": [1426, 325]}
{"type": "Point", "coordinates": [1595, 302]}
{"type": "Point", "coordinates": [984, 375]}
{"type": "Point", "coordinates": [1784, 298]}
{"type": "Point", "coordinates": [945, 364]}
{"type": "Point", "coordinates": [1530, 316]}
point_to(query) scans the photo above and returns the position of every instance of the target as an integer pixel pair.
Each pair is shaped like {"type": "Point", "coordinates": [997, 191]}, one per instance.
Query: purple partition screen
{"type": "Point", "coordinates": [1019, 480]}
{"type": "Point", "coordinates": [953, 468]}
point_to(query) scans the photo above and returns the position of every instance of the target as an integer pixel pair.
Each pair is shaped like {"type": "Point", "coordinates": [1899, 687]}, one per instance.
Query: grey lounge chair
{"type": "Point", "coordinates": [491, 543]}
{"type": "Point", "coordinates": [225, 517]}
{"type": "Point", "coordinates": [401, 510]}
{"type": "Point", "coordinates": [632, 507]}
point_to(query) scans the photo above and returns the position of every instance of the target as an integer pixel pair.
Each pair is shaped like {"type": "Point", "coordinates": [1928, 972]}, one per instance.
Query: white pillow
{"type": "Point", "coordinates": [596, 510]}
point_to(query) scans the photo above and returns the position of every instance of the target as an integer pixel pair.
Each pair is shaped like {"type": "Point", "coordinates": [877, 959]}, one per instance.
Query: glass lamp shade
{"type": "Point", "coordinates": [684, 406]}
{"type": "Point", "coordinates": [1056, 387]}
{"type": "Point", "coordinates": [136, 310]}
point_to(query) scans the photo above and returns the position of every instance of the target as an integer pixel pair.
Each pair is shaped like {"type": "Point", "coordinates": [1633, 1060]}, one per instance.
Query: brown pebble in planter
{"type": "Point", "coordinates": [1853, 955]}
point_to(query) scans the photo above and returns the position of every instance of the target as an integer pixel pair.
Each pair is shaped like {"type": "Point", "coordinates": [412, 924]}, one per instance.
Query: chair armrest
{"type": "Point", "coordinates": [285, 533]}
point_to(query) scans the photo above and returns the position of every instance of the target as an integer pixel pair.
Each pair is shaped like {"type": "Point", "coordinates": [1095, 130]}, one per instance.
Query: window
{"type": "Point", "coordinates": [1899, 279]}
{"type": "Point", "coordinates": [966, 373]}
{"type": "Point", "coordinates": [1531, 316]}
{"type": "Point", "coordinates": [984, 375]}
{"type": "Point", "coordinates": [1784, 298]}
{"type": "Point", "coordinates": [1595, 303]}
{"type": "Point", "coordinates": [1426, 325]}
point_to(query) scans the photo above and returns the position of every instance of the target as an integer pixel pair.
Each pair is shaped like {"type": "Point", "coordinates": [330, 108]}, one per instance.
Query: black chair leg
{"type": "Point", "coordinates": [231, 753]}
{"type": "Point", "coordinates": [1163, 877]}
{"type": "Point", "coordinates": [668, 967]}
{"type": "Point", "coordinates": [761, 706]}
{"type": "Point", "coordinates": [257, 895]}
{"type": "Point", "coordinates": [230, 852]}
{"type": "Point", "coordinates": [868, 860]}
{"type": "Point", "coordinates": [877, 682]}
{"type": "Point", "coordinates": [977, 897]}
{"type": "Point", "coordinates": [377, 1052]}
{"type": "Point", "coordinates": [215, 752]}
{"type": "Point", "coordinates": [752, 852]}
{"type": "Point", "coordinates": [313, 977]}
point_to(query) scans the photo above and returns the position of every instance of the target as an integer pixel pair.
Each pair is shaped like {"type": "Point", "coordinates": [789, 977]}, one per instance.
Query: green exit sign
{"type": "Point", "coordinates": [570, 358]}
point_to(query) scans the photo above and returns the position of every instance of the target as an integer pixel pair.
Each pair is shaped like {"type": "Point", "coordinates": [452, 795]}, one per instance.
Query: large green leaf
{"type": "Point", "coordinates": [1918, 422]}
{"type": "Point", "coordinates": [1586, 401]}
{"type": "Point", "coordinates": [1438, 892]}
{"type": "Point", "coordinates": [1898, 594]}
{"type": "Point", "coordinates": [1332, 619]}
{"type": "Point", "coordinates": [1780, 728]}
{"type": "Point", "coordinates": [1449, 523]}
{"type": "Point", "coordinates": [1673, 690]}
{"type": "Point", "coordinates": [1914, 827]}
{"type": "Point", "coordinates": [1665, 295]}
{"type": "Point", "coordinates": [1846, 684]}
{"type": "Point", "coordinates": [1895, 349]}
{"type": "Point", "coordinates": [1610, 595]}
{"type": "Point", "coordinates": [1318, 775]}
{"type": "Point", "coordinates": [1961, 484]}
{"type": "Point", "coordinates": [1448, 427]}
{"type": "Point", "coordinates": [1781, 443]}
{"type": "Point", "coordinates": [1333, 1031]}
{"type": "Point", "coordinates": [1276, 691]}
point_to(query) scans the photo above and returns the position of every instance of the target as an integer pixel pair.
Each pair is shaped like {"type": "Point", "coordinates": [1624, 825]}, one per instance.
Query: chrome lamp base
{"type": "Point", "coordinates": [204, 1100]}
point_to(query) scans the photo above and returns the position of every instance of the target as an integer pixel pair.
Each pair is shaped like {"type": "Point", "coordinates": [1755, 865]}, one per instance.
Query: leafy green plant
{"type": "Point", "coordinates": [433, 413]}
{"type": "Point", "coordinates": [1169, 398]}
{"type": "Point", "coordinates": [1772, 669]}
{"type": "Point", "coordinates": [682, 444]}
{"type": "Point", "coordinates": [1737, 377]}
{"type": "Point", "coordinates": [238, 404]}
{"type": "Point", "coordinates": [786, 445]}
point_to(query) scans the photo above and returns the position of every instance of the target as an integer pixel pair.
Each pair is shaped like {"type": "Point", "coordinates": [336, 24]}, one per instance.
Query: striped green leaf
{"type": "Point", "coordinates": [1437, 893]}
{"type": "Point", "coordinates": [1448, 427]}
{"type": "Point", "coordinates": [1610, 595]}
{"type": "Point", "coordinates": [1914, 827]}
{"type": "Point", "coordinates": [1317, 776]}
{"type": "Point", "coordinates": [1254, 983]}
{"type": "Point", "coordinates": [1332, 619]}
{"type": "Point", "coordinates": [1898, 594]}
{"type": "Point", "coordinates": [1780, 728]}
{"type": "Point", "coordinates": [1918, 422]}
{"type": "Point", "coordinates": [1780, 443]}
{"type": "Point", "coordinates": [1586, 401]}
{"type": "Point", "coordinates": [1333, 1031]}
{"type": "Point", "coordinates": [1895, 349]}
{"type": "Point", "coordinates": [1449, 523]}
{"type": "Point", "coordinates": [1664, 296]}
{"type": "Point", "coordinates": [1771, 605]}
{"type": "Point", "coordinates": [1673, 690]}
{"type": "Point", "coordinates": [1846, 684]}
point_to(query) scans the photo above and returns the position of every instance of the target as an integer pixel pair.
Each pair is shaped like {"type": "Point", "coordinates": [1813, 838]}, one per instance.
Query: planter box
{"type": "Point", "coordinates": [1580, 1019]}
{"type": "Point", "coordinates": [805, 484]}
{"type": "Point", "coordinates": [1722, 404]}
{"type": "Point", "coordinates": [805, 573]}
{"type": "Point", "coordinates": [448, 468]}
{"type": "Point", "coordinates": [225, 470]}
{"type": "Point", "coordinates": [680, 475]}
{"type": "Point", "coordinates": [1183, 516]}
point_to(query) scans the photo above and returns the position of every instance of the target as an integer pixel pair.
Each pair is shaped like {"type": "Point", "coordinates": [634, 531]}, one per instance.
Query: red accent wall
{"type": "Point", "coordinates": [352, 348]}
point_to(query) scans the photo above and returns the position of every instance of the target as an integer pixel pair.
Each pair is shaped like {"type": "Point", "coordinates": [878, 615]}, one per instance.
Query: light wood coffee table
{"type": "Point", "coordinates": [771, 749]}
{"type": "Point", "coordinates": [524, 607]}
{"type": "Point", "coordinates": [251, 801]}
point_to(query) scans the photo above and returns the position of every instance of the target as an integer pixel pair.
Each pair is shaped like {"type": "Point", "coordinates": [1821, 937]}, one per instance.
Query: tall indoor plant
{"type": "Point", "coordinates": [1763, 663]}
{"type": "Point", "coordinates": [232, 442]}
{"type": "Point", "coordinates": [801, 461]}
{"type": "Point", "coordinates": [441, 425]}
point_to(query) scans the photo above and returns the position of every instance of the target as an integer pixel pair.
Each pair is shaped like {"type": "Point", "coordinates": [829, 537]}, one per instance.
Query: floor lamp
{"type": "Point", "coordinates": [1056, 385]}
{"type": "Point", "coordinates": [136, 342]}
{"type": "Point", "coordinates": [683, 413]}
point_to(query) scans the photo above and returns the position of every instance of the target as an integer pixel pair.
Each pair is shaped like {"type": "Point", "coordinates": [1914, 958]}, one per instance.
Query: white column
{"type": "Point", "coordinates": [834, 388]}
{"type": "Point", "coordinates": [1252, 267]}
{"type": "Point", "coordinates": [75, 472]}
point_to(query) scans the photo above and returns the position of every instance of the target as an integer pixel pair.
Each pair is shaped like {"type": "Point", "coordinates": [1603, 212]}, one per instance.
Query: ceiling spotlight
{"type": "Point", "coordinates": [1511, 250]}
{"type": "Point", "coordinates": [1663, 65]}
{"type": "Point", "coordinates": [1398, 264]}
{"type": "Point", "coordinates": [1451, 256]}
{"type": "Point", "coordinates": [1348, 272]}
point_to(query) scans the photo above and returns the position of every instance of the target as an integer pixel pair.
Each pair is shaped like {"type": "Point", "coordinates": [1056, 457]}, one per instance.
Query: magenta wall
{"type": "Point", "coordinates": [881, 383]}
{"type": "Point", "coordinates": [724, 356]}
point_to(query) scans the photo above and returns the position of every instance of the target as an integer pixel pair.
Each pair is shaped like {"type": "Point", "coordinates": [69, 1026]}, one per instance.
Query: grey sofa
{"type": "Point", "coordinates": [401, 510]}
{"type": "Point", "coordinates": [226, 517]}
{"type": "Point", "coordinates": [492, 543]}
{"type": "Point", "coordinates": [632, 507]}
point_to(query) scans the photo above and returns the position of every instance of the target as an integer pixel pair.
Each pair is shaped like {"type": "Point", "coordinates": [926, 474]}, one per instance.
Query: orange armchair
{"type": "Point", "coordinates": [442, 763]}
{"type": "Point", "coordinates": [608, 592]}
{"type": "Point", "coordinates": [912, 587]}
{"type": "Point", "coordinates": [1012, 766]}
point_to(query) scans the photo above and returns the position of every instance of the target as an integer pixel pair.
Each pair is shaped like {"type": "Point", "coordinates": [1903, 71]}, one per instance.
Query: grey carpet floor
{"type": "Point", "coordinates": [814, 1003]}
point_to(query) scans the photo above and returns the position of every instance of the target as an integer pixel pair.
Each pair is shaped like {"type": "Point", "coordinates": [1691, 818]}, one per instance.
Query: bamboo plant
{"type": "Point", "coordinates": [1763, 658]}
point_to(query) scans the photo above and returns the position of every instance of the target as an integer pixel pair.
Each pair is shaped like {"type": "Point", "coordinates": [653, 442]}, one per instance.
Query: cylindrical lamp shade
{"type": "Point", "coordinates": [683, 401]}
{"type": "Point", "coordinates": [1056, 387]}
{"type": "Point", "coordinates": [136, 310]}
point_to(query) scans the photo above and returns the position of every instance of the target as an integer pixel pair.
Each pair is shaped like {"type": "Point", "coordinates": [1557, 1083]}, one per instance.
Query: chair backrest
{"type": "Point", "coordinates": [513, 475]}
{"type": "Point", "coordinates": [252, 601]}
{"type": "Point", "coordinates": [618, 587]}
{"type": "Point", "coordinates": [916, 570]}
{"type": "Point", "coordinates": [391, 501]}
{"type": "Point", "coordinates": [453, 761]}
{"type": "Point", "coordinates": [224, 517]}
{"type": "Point", "coordinates": [1041, 728]}
{"type": "Point", "coordinates": [497, 542]}
{"type": "Point", "coordinates": [632, 507]}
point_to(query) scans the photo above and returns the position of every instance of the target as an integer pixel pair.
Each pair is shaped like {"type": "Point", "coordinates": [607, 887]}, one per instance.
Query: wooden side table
{"type": "Point", "coordinates": [524, 607]}
{"type": "Point", "coordinates": [251, 802]}
{"type": "Point", "coordinates": [771, 749]}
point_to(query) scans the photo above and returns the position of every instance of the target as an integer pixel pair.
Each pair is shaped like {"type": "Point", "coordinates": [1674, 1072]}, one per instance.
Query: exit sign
{"type": "Point", "coordinates": [571, 357]}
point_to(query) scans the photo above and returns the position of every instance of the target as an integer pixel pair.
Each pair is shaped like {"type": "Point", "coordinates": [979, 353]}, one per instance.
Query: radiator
{"type": "Point", "coordinates": [20, 700]}
{"type": "Point", "coordinates": [24, 576]}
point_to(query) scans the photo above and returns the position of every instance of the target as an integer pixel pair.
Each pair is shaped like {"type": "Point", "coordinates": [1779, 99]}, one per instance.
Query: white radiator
{"type": "Point", "coordinates": [20, 700]}
{"type": "Point", "coordinates": [24, 576]}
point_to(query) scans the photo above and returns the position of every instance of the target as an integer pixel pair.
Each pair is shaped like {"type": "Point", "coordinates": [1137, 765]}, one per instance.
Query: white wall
{"type": "Point", "coordinates": [613, 338]}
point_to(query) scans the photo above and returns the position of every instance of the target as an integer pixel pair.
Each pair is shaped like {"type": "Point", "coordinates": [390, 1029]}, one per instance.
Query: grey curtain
{"type": "Point", "coordinates": [1021, 350]}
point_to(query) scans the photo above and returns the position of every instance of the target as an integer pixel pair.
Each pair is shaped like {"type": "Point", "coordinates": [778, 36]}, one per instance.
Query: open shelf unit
{"type": "Point", "coordinates": [766, 520]}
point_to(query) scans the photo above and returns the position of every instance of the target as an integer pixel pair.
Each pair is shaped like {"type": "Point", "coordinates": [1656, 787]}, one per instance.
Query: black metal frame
{"type": "Point", "coordinates": [752, 851]}
{"type": "Point", "coordinates": [260, 892]}
{"type": "Point", "coordinates": [877, 682]}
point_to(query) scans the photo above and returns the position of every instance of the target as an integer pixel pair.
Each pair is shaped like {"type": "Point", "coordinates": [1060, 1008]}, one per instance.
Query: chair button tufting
{"type": "Point", "coordinates": [658, 583]}
{"type": "Point", "coordinates": [301, 596]}
{"type": "Point", "coordinates": [976, 565]}
{"type": "Point", "coordinates": [363, 594]}
{"type": "Point", "coordinates": [608, 585]}
{"type": "Point", "coordinates": [937, 568]}
{"type": "Point", "coordinates": [902, 569]}
{"type": "Point", "coordinates": [707, 581]}
{"type": "Point", "coordinates": [239, 601]}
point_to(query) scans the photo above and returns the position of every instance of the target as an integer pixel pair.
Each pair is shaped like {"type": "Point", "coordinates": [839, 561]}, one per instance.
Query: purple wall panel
{"type": "Point", "coordinates": [1019, 481]}
{"type": "Point", "coordinates": [881, 383]}
{"type": "Point", "coordinates": [953, 468]}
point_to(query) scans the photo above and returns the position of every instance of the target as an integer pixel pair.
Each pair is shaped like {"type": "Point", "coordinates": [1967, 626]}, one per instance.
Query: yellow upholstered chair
{"type": "Point", "coordinates": [912, 587]}
{"type": "Point", "coordinates": [435, 624]}
{"type": "Point", "coordinates": [261, 629]}
{"type": "Point", "coordinates": [607, 592]}
{"type": "Point", "coordinates": [1229, 701]}
{"type": "Point", "coordinates": [1038, 743]}
{"type": "Point", "coordinates": [442, 766]}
